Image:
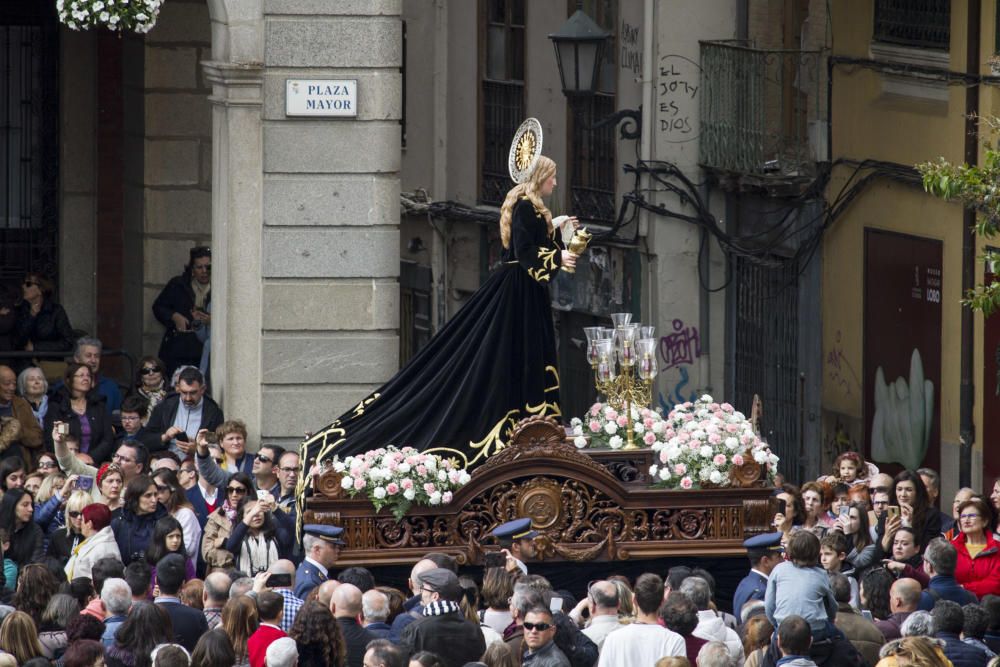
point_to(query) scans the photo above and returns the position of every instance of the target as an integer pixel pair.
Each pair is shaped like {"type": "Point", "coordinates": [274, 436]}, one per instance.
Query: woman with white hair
{"type": "Point", "coordinates": [34, 388]}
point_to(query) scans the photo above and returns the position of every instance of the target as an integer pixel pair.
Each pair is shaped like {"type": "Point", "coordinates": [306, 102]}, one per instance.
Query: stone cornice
{"type": "Point", "coordinates": [235, 84]}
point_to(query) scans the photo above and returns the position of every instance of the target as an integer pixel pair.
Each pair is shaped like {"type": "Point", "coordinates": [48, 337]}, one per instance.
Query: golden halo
{"type": "Point", "coordinates": [525, 150]}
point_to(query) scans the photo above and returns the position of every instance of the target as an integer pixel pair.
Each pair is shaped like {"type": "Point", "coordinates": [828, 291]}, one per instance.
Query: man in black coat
{"type": "Point", "coordinates": [948, 622]}
{"type": "Point", "coordinates": [177, 419]}
{"type": "Point", "coordinates": [443, 629]}
{"type": "Point", "coordinates": [346, 608]}
{"type": "Point", "coordinates": [189, 623]}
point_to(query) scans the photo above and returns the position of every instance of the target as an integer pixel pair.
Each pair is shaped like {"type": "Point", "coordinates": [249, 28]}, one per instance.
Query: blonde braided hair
{"type": "Point", "coordinates": [544, 169]}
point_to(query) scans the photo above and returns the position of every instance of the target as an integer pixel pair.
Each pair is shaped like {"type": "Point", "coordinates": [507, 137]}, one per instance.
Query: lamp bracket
{"type": "Point", "coordinates": [631, 127]}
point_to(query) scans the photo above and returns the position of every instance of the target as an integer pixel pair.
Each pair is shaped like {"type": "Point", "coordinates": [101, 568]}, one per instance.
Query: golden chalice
{"type": "Point", "coordinates": [577, 244]}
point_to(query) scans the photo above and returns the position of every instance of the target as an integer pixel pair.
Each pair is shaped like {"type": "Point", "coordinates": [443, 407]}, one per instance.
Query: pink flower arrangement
{"type": "Point", "coordinates": [702, 442]}
{"type": "Point", "coordinates": [398, 478]}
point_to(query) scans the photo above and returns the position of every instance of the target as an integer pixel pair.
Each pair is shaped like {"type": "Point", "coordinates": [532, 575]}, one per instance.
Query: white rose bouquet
{"type": "Point", "coordinates": [400, 478]}
{"type": "Point", "coordinates": [703, 441]}
{"type": "Point", "coordinates": [603, 427]}
{"type": "Point", "coordinates": [134, 15]}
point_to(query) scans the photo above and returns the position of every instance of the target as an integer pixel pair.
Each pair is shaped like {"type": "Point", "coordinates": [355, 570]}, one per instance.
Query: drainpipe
{"type": "Point", "coordinates": [967, 429]}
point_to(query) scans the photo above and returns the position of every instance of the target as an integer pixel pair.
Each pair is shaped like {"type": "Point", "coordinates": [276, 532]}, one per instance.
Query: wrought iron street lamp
{"type": "Point", "coordinates": [579, 45]}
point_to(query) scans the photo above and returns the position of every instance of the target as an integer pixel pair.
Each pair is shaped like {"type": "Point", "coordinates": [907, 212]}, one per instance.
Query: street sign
{"type": "Point", "coordinates": [321, 97]}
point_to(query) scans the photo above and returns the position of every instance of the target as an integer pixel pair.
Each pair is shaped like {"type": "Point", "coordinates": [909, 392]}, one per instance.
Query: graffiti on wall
{"type": "Point", "coordinates": [631, 52]}
{"type": "Point", "coordinates": [839, 371]}
{"type": "Point", "coordinates": [679, 350]}
{"type": "Point", "coordinates": [677, 94]}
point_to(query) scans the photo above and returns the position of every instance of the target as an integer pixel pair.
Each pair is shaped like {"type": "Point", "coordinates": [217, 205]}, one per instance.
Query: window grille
{"type": "Point", "coordinates": [923, 24]}
{"type": "Point", "coordinates": [502, 67]}
{"type": "Point", "coordinates": [29, 142]}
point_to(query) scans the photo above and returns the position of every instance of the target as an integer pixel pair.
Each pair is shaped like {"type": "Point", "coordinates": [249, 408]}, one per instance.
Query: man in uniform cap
{"type": "Point", "coordinates": [321, 545]}
{"type": "Point", "coordinates": [515, 538]}
{"type": "Point", "coordinates": [764, 552]}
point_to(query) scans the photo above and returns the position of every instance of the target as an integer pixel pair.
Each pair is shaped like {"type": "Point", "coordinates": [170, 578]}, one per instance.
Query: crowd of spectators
{"type": "Point", "coordinates": [137, 529]}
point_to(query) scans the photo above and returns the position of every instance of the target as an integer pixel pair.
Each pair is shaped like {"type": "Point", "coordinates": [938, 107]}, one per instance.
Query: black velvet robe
{"type": "Point", "coordinates": [493, 364]}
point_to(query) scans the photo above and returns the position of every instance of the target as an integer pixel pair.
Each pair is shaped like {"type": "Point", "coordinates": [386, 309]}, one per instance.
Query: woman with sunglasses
{"type": "Point", "coordinates": [134, 525]}
{"type": "Point", "coordinates": [68, 537]}
{"type": "Point", "coordinates": [99, 541]}
{"type": "Point", "coordinates": [172, 496]}
{"type": "Point", "coordinates": [150, 383]}
{"type": "Point", "coordinates": [221, 522]}
{"type": "Point", "coordinates": [257, 537]}
{"type": "Point", "coordinates": [42, 324]}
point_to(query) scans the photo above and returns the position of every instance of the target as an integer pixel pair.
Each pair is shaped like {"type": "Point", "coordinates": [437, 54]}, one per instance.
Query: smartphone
{"type": "Point", "coordinates": [211, 438]}
{"type": "Point", "coordinates": [893, 511]}
{"type": "Point", "coordinates": [845, 511]}
{"type": "Point", "coordinates": [555, 605]}
{"type": "Point", "coordinates": [85, 483]}
{"type": "Point", "coordinates": [780, 506]}
{"type": "Point", "coordinates": [182, 437]}
{"type": "Point", "coordinates": [261, 495]}
{"type": "Point", "coordinates": [279, 580]}
{"type": "Point", "coordinates": [62, 428]}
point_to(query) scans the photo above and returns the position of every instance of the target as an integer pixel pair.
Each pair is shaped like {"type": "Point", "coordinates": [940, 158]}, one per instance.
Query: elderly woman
{"type": "Point", "coordinates": [34, 388]}
{"type": "Point", "coordinates": [978, 565]}
{"type": "Point", "coordinates": [99, 541]}
{"type": "Point", "coordinates": [133, 527]}
{"type": "Point", "coordinates": [63, 541]}
{"type": "Point", "coordinates": [150, 383]}
{"type": "Point", "coordinates": [78, 404]}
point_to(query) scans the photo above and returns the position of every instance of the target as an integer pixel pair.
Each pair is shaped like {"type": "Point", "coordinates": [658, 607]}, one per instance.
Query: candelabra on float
{"type": "Point", "coordinates": [623, 359]}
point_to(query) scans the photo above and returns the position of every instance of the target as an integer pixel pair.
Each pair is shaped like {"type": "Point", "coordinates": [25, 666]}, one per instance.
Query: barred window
{"type": "Point", "coordinates": [502, 92]}
{"type": "Point", "coordinates": [919, 23]}
{"type": "Point", "coordinates": [592, 152]}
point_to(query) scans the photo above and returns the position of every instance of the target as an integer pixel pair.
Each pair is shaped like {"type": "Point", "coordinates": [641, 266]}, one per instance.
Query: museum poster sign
{"type": "Point", "coordinates": [902, 349]}
{"type": "Point", "coordinates": [321, 97]}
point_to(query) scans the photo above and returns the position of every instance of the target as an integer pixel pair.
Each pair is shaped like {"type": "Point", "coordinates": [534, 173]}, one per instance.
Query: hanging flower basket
{"type": "Point", "coordinates": [118, 15]}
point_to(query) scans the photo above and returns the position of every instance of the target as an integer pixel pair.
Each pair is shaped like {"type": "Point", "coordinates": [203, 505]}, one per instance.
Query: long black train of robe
{"type": "Point", "coordinates": [493, 364]}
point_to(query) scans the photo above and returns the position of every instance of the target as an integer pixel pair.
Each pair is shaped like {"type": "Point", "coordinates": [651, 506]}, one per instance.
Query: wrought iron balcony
{"type": "Point", "coordinates": [761, 110]}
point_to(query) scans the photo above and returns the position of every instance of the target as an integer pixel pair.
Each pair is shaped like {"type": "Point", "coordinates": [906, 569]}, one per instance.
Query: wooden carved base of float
{"type": "Point", "coordinates": [587, 505]}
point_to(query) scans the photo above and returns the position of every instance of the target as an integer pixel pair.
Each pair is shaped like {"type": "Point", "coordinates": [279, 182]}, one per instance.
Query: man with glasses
{"type": "Point", "coordinates": [539, 638]}
{"type": "Point", "coordinates": [134, 410]}
{"type": "Point", "coordinates": [288, 476]}
{"type": "Point", "coordinates": [177, 419]}
{"type": "Point", "coordinates": [443, 629]}
{"type": "Point", "coordinates": [265, 469]}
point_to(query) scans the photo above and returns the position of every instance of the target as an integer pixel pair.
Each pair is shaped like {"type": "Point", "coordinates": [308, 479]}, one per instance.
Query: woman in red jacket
{"type": "Point", "coordinates": [978, 566]}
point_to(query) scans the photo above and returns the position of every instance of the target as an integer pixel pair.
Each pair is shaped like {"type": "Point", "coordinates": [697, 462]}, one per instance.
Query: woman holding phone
{"type": "Point", "coordinates": [257, 538]}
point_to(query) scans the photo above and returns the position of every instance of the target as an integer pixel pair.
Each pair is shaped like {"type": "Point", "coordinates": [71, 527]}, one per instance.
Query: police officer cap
{"type": "Point", "coordinates": [443, 582]}
{"type": "Point", "coordinates": [518, 529]}
{"type": "Point", "coordinates": [765, 542]}
{"type": "Point", "coordinates": [328, 533]}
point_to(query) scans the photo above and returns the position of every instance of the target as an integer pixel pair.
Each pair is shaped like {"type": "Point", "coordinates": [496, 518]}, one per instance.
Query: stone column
{"type": "Point", "coordinates": [330, 243]}
{"type": "Point", "coordinates": [237, 219]}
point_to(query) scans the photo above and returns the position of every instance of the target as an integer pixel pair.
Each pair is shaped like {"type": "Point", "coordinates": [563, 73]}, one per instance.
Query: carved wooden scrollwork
{"type": "Point", "coordinates": [746, 475]}
{"type": "Point", "coordinates": [328, 485]}
{"type": "Point", "coordinates": [587, 505]}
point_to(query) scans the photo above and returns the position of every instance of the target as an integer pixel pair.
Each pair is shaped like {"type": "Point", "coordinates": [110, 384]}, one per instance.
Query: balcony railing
{"type": "Point", "coordinates": [761, 110]}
